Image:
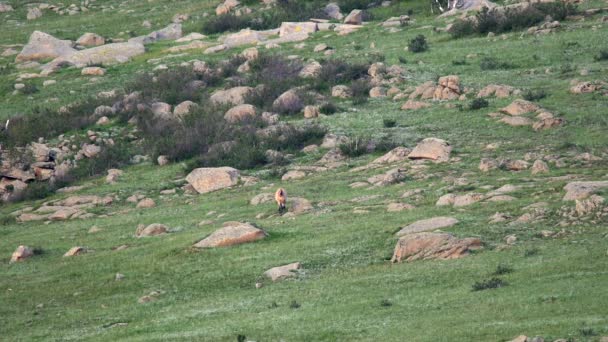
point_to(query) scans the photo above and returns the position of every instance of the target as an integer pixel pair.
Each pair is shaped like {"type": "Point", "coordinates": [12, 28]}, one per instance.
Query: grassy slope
{"type": "Point", "coordinates": [209, 295]}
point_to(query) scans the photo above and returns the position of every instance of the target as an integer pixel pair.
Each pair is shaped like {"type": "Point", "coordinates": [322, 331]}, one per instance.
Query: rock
{"type": "Point", "coordinates": [94, 230]}
{"type": "Point", "coordinates": [458, 7]}
{"type": "Point", "coordinates": [261, 199]}
{"type": "Point", "coordinates": [547, 123]}
{"type": "Point", "coordinates": [74, 251]}
{"type": "Point", "coordinates": [4, 8]}
{"type": "Point", "coordinates": [498, 90]}
{"type": "Point", "coordinates": [90, 39]}
{"type": "Point", "coordinates": [516, 121]}
{"type": "Point", "coordinates": [293, 175]}
{"type": "Point", "coordinates": [539, 166]}
{"type": "Point", "coordinates": [113, 175]}
{"type": "Point", "coordinates": [149, 298]}
{"type": "Point", "coordinates": [146, 203]}
{"type": "Point", "coordinates": [432, 148]}
{"type": "Point", "coordinates": [520, 107]}
{"type": "Point", "coordinates": [195, 45]}
{"type": "Point", "coordinates": [184, 108]}
{"type": "Point", "coordinates": [583, 88]}
{"type": "Point", "coordinates": [588, 206]}
{"type": "Point", "coordinates": [105, 54]}
{"type": "Point", "coordinates": [243, 37]}
{"type": "Point", "coordinates": [398, 154]}
{"type": "Point", "coordinates": [332, 141]}
{"type": "Point", "coordinates": [90, 150]}
{"type": "Point", "coordinates": [501, 198]}
{"type": "Point", "coordinates": [282, 272]}
{"type": "Point", "coordinates": [298, 205]}
{"type": "Point", "coordinates": [206, 180]}
{"type": "Point", "coordinates": [377, 92]}
{"type": "Point", "coordinates": [232, 233]}
{"type": "Point", "coordinates": [21, 253]}
{"type": "Point", "coordinates": [311, 112]}
{"type": "Point", "coordinates": [414, 105]}
{"type": "Point", "coordinates": [390, 177]}
{"type": "Point", "coordinates": [250, 54]}
{"type": "Point", "coordinates": [332, 156]}
{"type": "Point", "coordinates": [44, 46]}
{"type": "Point", "coordinates": [520, 338]}
{"type": "Point", "coordinates": [582, 190]}
{"type": "Point", "coordinates": [515, 165]}
{"type": "Point", "coordinates": [233, 96]}
{"type": "Point", "coordinates": [425, 245]}
{"type": "Point", "coordinates": [428, 225]}
{"type": "Point", "coordinates": [162, 160]}
{"type": "Point", "coordinates": [320, 47]}
{"type": "Point", "coordinates": [487, 164]}
{"type": "Point", "coordinates": [171, 32]}
{"type": "Point", "coordinates": [447, 199]}
{"type": "Point", "coordinates": [355, 17]}
{"type": "Point", "coordinates": [341, 91]}
{"type": "Point", "coordinates": [332, 10]}
{"type": "Point", "coordinates": [291, 28]}
{"type": "Point", "coordinates": [239, 113]}
{"type": "Point", "coordinates": [288, 102]}
{"type": "Point", "coordinates": [48, 83]}
{"type": "Point", "coordinates": [151, 230]}
{"type": "Point", "coordinates": [190, 37]}
{"type": "Point", "coordinates": [93, 71]}
{"type": "Point", "coordinates": [396, 207]}
{"type": "Point", "coordinates": [33, 13]}
{"type": "Point", "coordinates": [63, 214]}
{"type": "Point", "coordinates": [311, 70]}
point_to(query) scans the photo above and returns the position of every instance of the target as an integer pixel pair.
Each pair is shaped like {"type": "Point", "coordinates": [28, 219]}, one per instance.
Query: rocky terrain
{"type": "Point", "coordinates": [445, 165]}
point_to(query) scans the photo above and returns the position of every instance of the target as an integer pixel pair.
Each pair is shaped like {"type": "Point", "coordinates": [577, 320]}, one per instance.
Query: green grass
{"type": "Point", "coordinates": [556, 292]}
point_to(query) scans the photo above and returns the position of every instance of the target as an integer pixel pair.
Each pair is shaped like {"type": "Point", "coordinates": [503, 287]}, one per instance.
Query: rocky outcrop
{"type": "Point", "coordinates": [425, 245]}
{"type": "Point", "coordinates": [44, 46]}
{"type": "Point", "coordinates": [433, 149]}
{"type": "Point", "coordinates": [232, 233]}
{"type": "Point", "coordinates": [428, 225]}
{"type": "Point", "coordinates": [205, 180]}
{"type": "Point", "coordinates": [282, 272]}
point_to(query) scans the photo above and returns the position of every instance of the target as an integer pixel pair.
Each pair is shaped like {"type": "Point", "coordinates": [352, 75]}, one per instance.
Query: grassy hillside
{"type": "Point", "coordinates": [347, 289]}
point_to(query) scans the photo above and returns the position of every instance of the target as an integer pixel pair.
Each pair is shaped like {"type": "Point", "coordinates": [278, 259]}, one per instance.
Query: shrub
{"type": "Point", "coordinates": [348, 5]}
{"type": "Point", "coordinates": [418, 44]}
{"type": "Point", "coordinates": [502, 269]}
{"type": "Point", "coordinates": [294, 305]}
{"type": "Point", "coordinates": [534, 95]}
{"type": "Point", "coordinates": [385, 303]}
{"type": "Point", "coordinates": [478, 104]}
{"type": "Point", "coordinates": [531, 252]}
{"type": "Point", "coordinates": [328, 108]}
{"type": "Point", "coordinates": [462, 28]}
{"type": "Point", "coordinates": [402, 60]}
{"type": "Point", "coordinates": [601, 56]}
{"type": "Point", "coordinates": [491, 63]}
{"type": "Point", "coordinates": [492, 283]}
{"type": "Point", "coordinates": [37, 190]}
{"type": "Point", "coordinates": [459, 62]}
{"type": "Point", "coordinates": [558, 10]}
{"type": "Point", "coordinates": [29, 89]}
{"type": "Point", "coordinates": [277, 74]}
{"type": "Point", "coordinates": [360, 90]}
{"type": "Point", "coordinates": [111, 156]}
{"type": "Point", "coordinates": [389, 123]}
{"type": "Point", "coordinates": [334, 72]}
{"type": "Point", "coordinates": [354, 147]}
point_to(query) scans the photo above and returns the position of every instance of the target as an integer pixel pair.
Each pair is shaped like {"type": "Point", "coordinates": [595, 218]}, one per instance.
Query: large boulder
{"type": "Point", "coordinates": [233, 96]}
{"type": "Point", "coordinates": [432, 148]}
{"type": "Point", "coordinates": [288, 102]}
{"type": "Point", "coordinates": [90, 39]}
{"type": "Point", "coordinates": [460, 6]}
{"type": "Point", "coordinates": [425, 245]}
{"type": "Point", "coordinates": [395, 155]}
{"type": "Point", "coordinates": [243, 37]}
{"type": "Point", "coordinates": [582, 190]}
{"type": "Point", "coordinates": [205, 180]}
{"type": "Point", "coordinates": [106, 54]}
{"type": "Point", "coordinates": [151, 230]}
{"type": "Point", "coordinates": [240, 112]}
{"type": "Point", "coordinates": [428, 225]}
{"type": "Point", "coordinates": [332, 10]}
{"type": "Point", "coordinates": [520, 107]}
{"type": "Point", "coordinates": [5, 7]}
{"type": "Point", "coordinates": [44, 46]}
{"type": "Point", "coordinates": [282, 272]}
{"type": "Point", "coordinates": [298, 205]}
{"type": "Point", "coordinates": [289, 28]}
{"type": "Point", "coordinates": [355, 17]}
{"type": "Point", "coordinates": [232, 233]}
{"type": "Point", "coordinates": [21, 253]}
{"type": "Point", "coordinates": [171, 32]}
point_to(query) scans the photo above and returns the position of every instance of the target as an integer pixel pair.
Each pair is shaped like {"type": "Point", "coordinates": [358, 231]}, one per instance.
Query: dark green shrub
{"type": "Point", "coordinates": [402, 60]}
{"type": "Point", "coordinates": [354, 147]}
{"type": "Point", "coordinates": [478, 104]}
{"type": "Point", "coordinates": [459, 61]}
{"type": "Point", "coordinates": [111, 156]}
{"type": "Point", "coordinates": [328, 108]}
{"type": "Point", "coordinates": [534, 95]}
{"type": "Point", "coordinates": [334, 72]}
{"type": "Point", "coordinates": [360, 90]}
{"type": "Point", "coordinates": [418, 44]}
{"type": "Point", "coordinates": [601, 56]}
{"type": "Point", "coordinates": [491, 63]}
{"type": "Point", "coordinates": [502, 269]}
{"type": "Point", "coordinates": [29, 89]}
{"type": "Point", "coordinates": [37, 190]}
{"type": "Point", "coordinates": [492, 283]}
{"type": "Point", "coordinates": [462, 28]}
{"type": "Point", "coordinates": [389, 123]}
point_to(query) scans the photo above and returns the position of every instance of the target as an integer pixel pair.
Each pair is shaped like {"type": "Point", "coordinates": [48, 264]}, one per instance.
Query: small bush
{"type": "Point", "coordinates": [402, 60]}
{"type": "Point", "coordinates": [37, 190]}
{"type": "Point", "coordinates": [478, 104]}
{"type": "Point", "coordinates": [502, 269]}
{"type": "Point", "coordinates": [294, 305]}
{"type": "Point", "coordinates": [348, 5]}
{"type": "Point", "coordinates": [360, 90]}
{"type": "Point", "coordinates": [587, 331]}
{"type": "Point", "coordinates": [601, 56]}
{"type": "Point", "coordinates": [29, 89]}
{"type": "Point", "coordinates": [534, 95]}
{"type": "Point", "coordinates": [328, 108]}
{"type": "Point", "coordinates": [354, 147]}
{"type": "Point", "coordinates": [111, 156]}
{"type": "Point", "coordinates": [385, 303]}
{"type": "Point", "coordinates": [491, 63]}
{"type": "Point", "coordinates": [459, 61]}
{"type": "Point", "coordinates": [418, 44]}
{"type": "Point", "coordinates": [531, 252]}
{"type": "Point", "coordinates": [462, 28]}
{"type": "Point", "coordinates": [492, 283]}
{"type": "Point", "coordinates": [334, 72]}
{"type": "Point", "coordinates": [389, 123]}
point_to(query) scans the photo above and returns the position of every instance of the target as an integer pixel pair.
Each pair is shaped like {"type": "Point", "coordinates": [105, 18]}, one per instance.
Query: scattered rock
{"type": "Point", "coordinates": [414, 105]}
{"type": "Point", "coordinates": [428, 225]}
{"type": "Point", "coordinates": [151, 230]}
{"type": "Point", "coordinates": [206, 180]}
{"type": "Point", "coordinates": [288, 102]}
{"type": "Point", "coordinates": [520, 107]}
{"type": "Point", "coordinates": [90, 39]}
{"type": "Point", "coordinates": [396, 207]}
{"type": "Point", "coordinates": [74, 251]}
{"type": "Point", "coordinates": [22, 253]}
{"type": "Point", "coordinates": [239, 113]}
{"type": "Point", "coordinates": [398, 154]}
{"type": "Point", "coordinates": [233, 96]}
{"type": "Point", "coordinates": [539, 166]}
{"type": "Point", "coordinates": [232, 233]}
{"type": "Point", "coordinates": [146, 203]}
{"type": "Point", "coordinates": [582, 190]}
{"type": "Point", "coordinates": [293, 175]}
{"type": "Point", "coordinates": [282, 272]}
{"type": "Point", "coordinates": [425, 245]}
{"type": "Point", "coordinates": [298, 205]}
{"type": "Point", "coordinates": [432, 148]}
{"type": "Point", "coordinates": [44, 46]}
{"type": "Point", "coordinates": [355, 17]}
